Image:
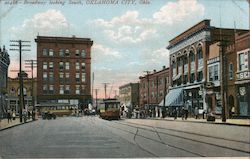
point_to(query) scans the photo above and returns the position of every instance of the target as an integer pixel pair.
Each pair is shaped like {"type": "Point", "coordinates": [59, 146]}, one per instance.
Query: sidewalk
{"type": "Point", "coordinates": [5, 125]}
{"type": "Point", "coordinates": [237, 122]}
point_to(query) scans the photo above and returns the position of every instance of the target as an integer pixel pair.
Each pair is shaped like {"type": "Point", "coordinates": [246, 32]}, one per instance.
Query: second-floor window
{"type": "Point", "coordinates": [231, 71]}
{"type": "Point", "coordinates": [213, 73]}
{"type": "Point", "coordinates": [241, 61]}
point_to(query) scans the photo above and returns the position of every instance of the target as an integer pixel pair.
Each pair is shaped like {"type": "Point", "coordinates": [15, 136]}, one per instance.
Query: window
{"type": "Point", "coordinates": [67, 65]}
{"type": "Point", "coordinates": [77, 52]}
{"type": "Point", "coordinates": [83, 53]}
{"type": "Point", "coordinates": [67, 53]}
{"type": "Point", "coordinates": [51, 89]}
{"type": "Point", "coordinates": [45, 66]}
{"type": "Point", "coordinates": [51, 77]}
{"type": "Point", "coordinates": [77, 89]}
{"type": "Point", "coordinates": [45, 76]}
{"type": "Point", "coordinates": [78, 77]}
{"type": "Point", "coordinates": [67, 79]}
{"type": "Point", "coordinates": [192, 78]}
{"type": "Point", "coordinates": [213, 73]}
{"type": "Point", "coordinates": [83, 89]}
{"type": "Point", "coordinates": [231, 71]}
{"type": "Point", "coordinates": [61, 66]}
{"type": "Point", "coordinates": [61, 52]}
{"type": "Point", "coordinates": [77, 66]}
{"type": "Point", "coordinates": [51, 52]}
{"type": "Point", "coordinates": [51, 65]}
{"type": "Point", "coordinates": [45, 52]}
{"type": "Point", "coordinates": [45, 89]}
{"type": "Point", "coordinates": [185, 80]}
{"type": "Point", "coordinates": [66, 89]}
{"type": "Point", "coordinates": [83, 66]}
{"type": "Point", "coordinates": [216, 72]}
{"type": "Point", "coordinates": [61, 77]}
{"type": "Point", "coordinates": [61, 89]}
{"type": "Point", "coordinates": [241, 61]}
{"type": "Point", "coordinates": [83, 77]}
{"type": "Point", "coordinates": [200, 76]}
{"type": "Point", "coordinates": [174, 69]}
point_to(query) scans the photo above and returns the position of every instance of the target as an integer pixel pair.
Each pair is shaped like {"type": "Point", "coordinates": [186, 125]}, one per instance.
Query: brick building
{"type": "Point", "coordinates": [13, 92]}
{"type": "Point", "coordinates": [129, 96]}
{"type": "Point", "coordinates": [153, 88]}
{"type": "Point", "coordinates": [64, 70]}
{"type": "Point", "coordinates": [242, 48]}
{"type": "Point", "coordinates": [4, 65]}
{"type": "Point", "coordinates": [192, 65]}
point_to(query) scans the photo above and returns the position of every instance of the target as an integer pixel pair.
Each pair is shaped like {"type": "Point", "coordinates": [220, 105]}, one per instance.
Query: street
{"type": "Point", "coordinates": [90, 136]}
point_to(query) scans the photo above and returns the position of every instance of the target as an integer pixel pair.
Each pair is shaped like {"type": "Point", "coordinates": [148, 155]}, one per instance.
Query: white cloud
{"type": "Point", "coordinates": [129, 28]}
{"type": "Point", "coordinates": [51, 22]}
{"type": "Point", "coordinates": [173, 12]}
{"type": "Point", "coordinates": [102, 54]}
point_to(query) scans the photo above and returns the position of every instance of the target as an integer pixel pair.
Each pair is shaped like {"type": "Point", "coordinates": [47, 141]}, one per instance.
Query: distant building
{"type": "Point", "coordinates": [129, 96]}
{"type": "Point", "coordinates": [153, 88]}
{"type": "Point", "coordinates": [242, 46]}
{"type": "Point", "coordinates": [194, 68]}
{"type": "Point", "coordinates": [4, 65]}
{"type": "Point", "coordinates": [14, 91]}
{"type": "Point", "coordinates": [64, 70]}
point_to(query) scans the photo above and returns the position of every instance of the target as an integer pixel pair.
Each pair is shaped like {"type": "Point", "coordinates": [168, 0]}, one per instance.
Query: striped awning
{"type": "Point", "coordinates": [174, 98]}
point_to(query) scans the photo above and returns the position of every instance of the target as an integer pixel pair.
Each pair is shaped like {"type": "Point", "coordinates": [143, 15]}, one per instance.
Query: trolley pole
{"type": "Point", "coordinates": [21, 95]}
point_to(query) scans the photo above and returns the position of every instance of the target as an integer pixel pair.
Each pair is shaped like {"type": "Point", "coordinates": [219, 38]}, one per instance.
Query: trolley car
{"type": "Point", "coordinates": [110, 109]}
{"type": "Point", "coordinates": [56, 109]}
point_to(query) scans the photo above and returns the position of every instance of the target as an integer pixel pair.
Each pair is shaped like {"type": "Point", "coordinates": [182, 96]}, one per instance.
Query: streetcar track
{"type": "Point", "coordinates": [163, 143]}
{"type": "Point", "coordinates": [191, 133]}
{"type": "Point", "coordinates": [194, 140]}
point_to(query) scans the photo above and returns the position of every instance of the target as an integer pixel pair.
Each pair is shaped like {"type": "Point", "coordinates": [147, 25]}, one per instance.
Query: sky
{"type": "Point", "coordinates": [130, 37]}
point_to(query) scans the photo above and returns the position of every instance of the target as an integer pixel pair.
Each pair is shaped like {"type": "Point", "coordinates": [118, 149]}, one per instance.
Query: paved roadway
{"type": "Point", "coordinates": [85, 137]}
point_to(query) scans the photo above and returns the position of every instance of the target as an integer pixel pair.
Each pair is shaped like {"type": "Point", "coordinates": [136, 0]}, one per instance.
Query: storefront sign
{"type": "Point", "coordinates": [243, 75]}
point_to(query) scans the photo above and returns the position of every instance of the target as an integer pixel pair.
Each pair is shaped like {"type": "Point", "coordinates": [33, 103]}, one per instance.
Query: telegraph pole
{"type": "Point", "coordinates": [105, 88]}
{"type": "Point", "coordinates": [96, 91]}
{"type": "Point", "coordinates": [19, 44]}
{"type": "Point", "coordinates": [32, 64]}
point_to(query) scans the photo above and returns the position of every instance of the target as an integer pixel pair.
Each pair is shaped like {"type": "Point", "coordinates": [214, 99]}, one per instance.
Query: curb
{"type": "Point", "coordinates": [16, 125]}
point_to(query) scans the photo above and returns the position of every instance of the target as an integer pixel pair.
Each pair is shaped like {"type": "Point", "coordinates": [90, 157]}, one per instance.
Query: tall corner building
{"type": "Point", "coordinates": [64, 70]}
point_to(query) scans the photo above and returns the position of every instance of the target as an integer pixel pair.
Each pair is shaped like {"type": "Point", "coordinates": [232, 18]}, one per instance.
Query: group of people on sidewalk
{"type": "Point", "coordinates": [11, 115]}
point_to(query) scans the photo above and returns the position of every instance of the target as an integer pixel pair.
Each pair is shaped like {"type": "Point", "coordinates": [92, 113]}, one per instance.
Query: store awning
{"type": "Point", "coordinates": [174, 98]}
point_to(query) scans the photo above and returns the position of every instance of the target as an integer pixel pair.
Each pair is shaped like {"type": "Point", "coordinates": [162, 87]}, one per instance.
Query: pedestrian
{"type": "Point", "coordinates": [183, 113]}
{"type": "Point", "coordinates": [175, 114]}
{"type": "Point", "coordinates": [9, 116]}
{"type": "Point", "coordinates": [196, 112]}
{"type": "Point", "coordinates": [186, 113]}
{"type": "Point", "coordinates": [14, 115]}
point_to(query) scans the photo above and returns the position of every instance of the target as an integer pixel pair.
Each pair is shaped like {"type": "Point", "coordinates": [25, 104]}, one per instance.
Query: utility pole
{"type": "Point", "coordinates": [93, 80]}
{"type": "Point", "coordinates": [21, 97]}
{"type": "Point", "coordinates": [96, 91]}
{"type": "Point", "coordinates": [105, 88]}
{"type": "Point", "coordinates": [32, 64]}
